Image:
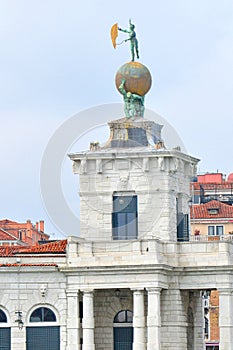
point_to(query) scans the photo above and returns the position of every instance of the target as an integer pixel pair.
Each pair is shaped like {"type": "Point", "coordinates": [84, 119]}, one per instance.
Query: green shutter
{"type": "Point", "coordinates": [5, 338]}
{"type": "Point", "coordinates": [43, 338]}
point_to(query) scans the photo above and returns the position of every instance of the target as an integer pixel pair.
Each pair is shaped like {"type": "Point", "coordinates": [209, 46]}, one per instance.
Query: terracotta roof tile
{"type": "Point", "coordinates": [6, 236]}
{"type": "Point", "coordinates": [51, 247]}
{"type": "Point", "coordinates": [203, 211]}
{"type": "Point", "coordinates": [15, 265]}
{"type": "Point", "coordinates": [211, 185]}
{"type": "Point", "coordinates": [47, 248]}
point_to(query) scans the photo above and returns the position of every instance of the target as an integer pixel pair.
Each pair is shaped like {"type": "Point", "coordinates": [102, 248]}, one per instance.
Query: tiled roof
{"type": "Point", "coordinates": [211, 186]}
{"type": "Point", "coordinates": [203, 211]}
{"type": "Point", "coordinates": [51, 247]}
{"type": "Point", "coordinates": [6, 236]}
{"type": "Point", "coordinates": [9, 250]}
{"type": "Point", "coordinates": [57, 247]}
{"type": "Point", "coordinates": [16, 265]}
{"type": "Point", "coordinates": [6, 222]}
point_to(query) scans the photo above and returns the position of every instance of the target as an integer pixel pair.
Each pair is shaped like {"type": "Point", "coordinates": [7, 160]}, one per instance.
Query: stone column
{"type": "Point", "coordinates": [73, 320]}
{"type": "Point", "coordinates": [138, 320]}
{"type": "Point", "coordinates": [174, 325]}
{"type": "Point", "coordinates": [153, 319]}
{"type": "Point", "coordinates": [198, 311]}
{"type": "Point", "coordinates": [88, 321]}
{"type": "Point", "coordinates": [226, 319]}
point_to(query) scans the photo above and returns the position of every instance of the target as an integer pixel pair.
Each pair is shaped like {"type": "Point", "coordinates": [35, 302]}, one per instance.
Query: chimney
{"type": "Point", "coordinates": [37, 227]}
{"type": "Point", "coordinates": [41, 225]}
{"type": "Point", "coordinates": [29, 225]}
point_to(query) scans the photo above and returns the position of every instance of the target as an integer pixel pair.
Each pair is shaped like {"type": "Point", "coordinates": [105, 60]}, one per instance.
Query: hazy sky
{"type": "Point", "coordinates": [57, 60]}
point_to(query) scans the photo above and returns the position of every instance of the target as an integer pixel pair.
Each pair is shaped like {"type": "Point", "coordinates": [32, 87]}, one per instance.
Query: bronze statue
{"type": "Point", "coordinates": [132, 38]}
{"type": "Point", "coordinates": [134, 104]}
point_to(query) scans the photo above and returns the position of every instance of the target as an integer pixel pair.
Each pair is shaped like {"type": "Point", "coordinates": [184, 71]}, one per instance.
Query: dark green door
{"type": "Point", "coordinates": [123, 338]}
{"type": "Point", "coordinates": [43, 338]}
{"type": "Point", "coordinates": [5, 338]}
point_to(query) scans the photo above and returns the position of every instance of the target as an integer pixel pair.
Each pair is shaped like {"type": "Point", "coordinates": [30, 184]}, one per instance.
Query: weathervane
{"type": "Point", "coordinates": [132, 38]}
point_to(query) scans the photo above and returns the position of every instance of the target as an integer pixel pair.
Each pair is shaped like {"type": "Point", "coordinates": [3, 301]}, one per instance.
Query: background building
{"type": "Point", "coordinates": [213, 186]}
{"type": "Point", "coordinates": [211, 218]}
{"type": "Point", "coordinates": [15, 233]}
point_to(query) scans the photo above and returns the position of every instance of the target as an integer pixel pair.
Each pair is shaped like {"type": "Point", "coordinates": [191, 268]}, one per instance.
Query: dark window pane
{"type": "Point", "coordinates": [124, 316]}
{"type": "Point", "coordinates": [219, 230]}
{"type": "Point", "coordinates": [49, 315]}
{"type": "Point", "coordinates": [3, 317]}
{"type": "Point", "coordinates": [43, 314]}
{"type": "Point", "coordinates": [124, 217]}
{"type": "Point", "coordinates": [36, 316]}
{"type": "Point", "coordinates": [210, 230]}
{"type": "Point", "coordinates": [129, 316]}
{"type": "Point", "coordinates": [121, 219]}
{"type": "Point", "coordinates": [5, 338]}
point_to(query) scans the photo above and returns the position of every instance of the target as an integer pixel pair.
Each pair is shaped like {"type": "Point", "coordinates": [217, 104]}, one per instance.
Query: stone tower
{"type": "Point", "coordinates": [133, 187]}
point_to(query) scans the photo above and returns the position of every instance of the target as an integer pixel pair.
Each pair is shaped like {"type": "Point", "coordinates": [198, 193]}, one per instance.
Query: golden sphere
{"type": "Point", "coordinates": [137, 78]}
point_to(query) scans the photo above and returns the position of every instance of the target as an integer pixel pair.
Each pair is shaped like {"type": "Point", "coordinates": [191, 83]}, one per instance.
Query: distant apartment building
{"type": "Point", "coordinates": [212, 186]}
{"type": "Point", "coordinates": [211, 219]}
{"type": "Point", "coordinates": [25, 234]}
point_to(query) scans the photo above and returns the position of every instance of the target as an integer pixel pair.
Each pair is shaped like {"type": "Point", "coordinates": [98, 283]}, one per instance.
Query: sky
{"type": "Point", "coordinates": [57, 60]}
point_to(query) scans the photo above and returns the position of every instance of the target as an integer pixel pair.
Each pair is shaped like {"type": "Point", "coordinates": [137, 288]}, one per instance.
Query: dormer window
{"type": "Point", "coordinates": [213, 211]}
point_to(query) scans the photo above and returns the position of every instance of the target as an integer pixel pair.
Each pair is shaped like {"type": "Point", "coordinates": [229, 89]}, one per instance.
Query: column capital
{"type": "Point", "coordinates": [225, 291]}
{"type": "Point", "coordinates": [87, 291]}
{"type": "Point", "coordinates": [155, 290]}
{"type": "Point", "coordinates": [139, 290]}
{"type": "Point", "coordinates": [72, 292]}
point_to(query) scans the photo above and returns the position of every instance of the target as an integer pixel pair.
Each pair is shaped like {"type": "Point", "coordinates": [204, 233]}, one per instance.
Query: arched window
{"type": "Point", "coordinates": [43, 336]}
{"type": "Point", "coordinates": [43, 314]}
{"type": "Point", "coordinates": [3, 317]}
{"type": "Point", "coordinates": [123, 330]}
{"type": "Point", "coordinates": [5, 332]}
{"type": "Point", "coordinates": [124, 316]}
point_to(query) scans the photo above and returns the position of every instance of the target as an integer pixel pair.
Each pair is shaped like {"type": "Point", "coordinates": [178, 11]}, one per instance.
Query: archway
{"type": "Point", "coordinates": [43, 332]}
{"type": "Point", "coordinates": [123, 330]}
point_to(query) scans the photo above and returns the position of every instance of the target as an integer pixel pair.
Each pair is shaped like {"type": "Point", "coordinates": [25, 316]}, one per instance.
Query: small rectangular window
{"type": "Point", "coordinates": [219, 230]}
{"type": "Point", "coordinates": [215, 230]}
{"type": "Point", "coordinates": [211, 230]}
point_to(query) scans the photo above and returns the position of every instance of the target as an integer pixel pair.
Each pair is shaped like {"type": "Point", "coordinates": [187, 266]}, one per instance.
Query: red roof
{"type": "Point", "coordinates": [56, 247]}
{"type": "Point", "coordinates": [203, 211]}
{"type": "Point", "coordinates": [6, 236]}
{"type": "Point", "coordinates": [211, 186]}
{"type": "Point", "coordinates": [51, 247]}
{"type": "Point", "coordinates": [16, 265]}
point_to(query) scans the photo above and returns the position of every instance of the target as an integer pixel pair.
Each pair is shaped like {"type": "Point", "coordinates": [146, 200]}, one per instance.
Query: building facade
{"type": "Point", "coordinates": [212, 220]}
{"type": "Point", "coordinates": [133, 279]}
{"type": "Point", "coordinates": [26, 233]}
